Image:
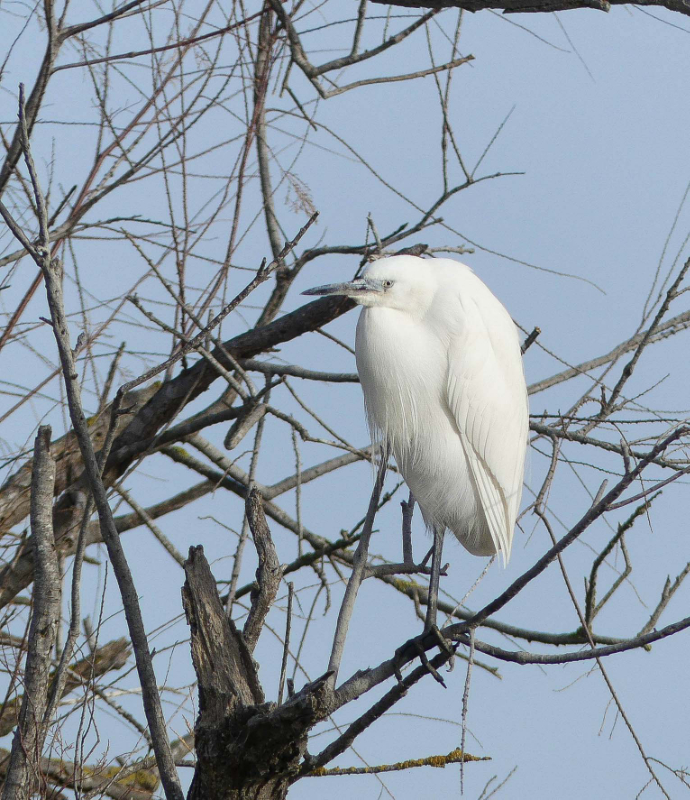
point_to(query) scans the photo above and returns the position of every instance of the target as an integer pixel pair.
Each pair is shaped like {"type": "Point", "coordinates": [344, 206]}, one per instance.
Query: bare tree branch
{"type": "Point", "coordinates": [23, 773]}
{"type": "Point", "coordinates": [534, 6]}
{"type": "Point", "coordinates": [268, 573]}
{"type": "Point", "coordinates": [109, 657]}
{"type": "Point", "coordinates": [52, 274]}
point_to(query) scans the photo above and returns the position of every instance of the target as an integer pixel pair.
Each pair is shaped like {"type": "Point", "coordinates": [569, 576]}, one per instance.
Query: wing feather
{"type": "Point", "coordinates": [487, 398]}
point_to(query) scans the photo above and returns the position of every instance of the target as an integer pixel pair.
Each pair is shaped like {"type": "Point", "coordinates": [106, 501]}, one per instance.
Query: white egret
{"type": "Point", "coordinates": [439, 360]}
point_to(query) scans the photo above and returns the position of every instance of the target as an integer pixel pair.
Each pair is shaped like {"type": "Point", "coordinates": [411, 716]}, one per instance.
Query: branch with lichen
{"type": "Point", "coordinates": [454, 757]}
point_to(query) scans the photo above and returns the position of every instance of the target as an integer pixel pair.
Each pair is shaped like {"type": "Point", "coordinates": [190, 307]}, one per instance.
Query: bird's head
{"type": "Point", "coordinates": [403, 283]}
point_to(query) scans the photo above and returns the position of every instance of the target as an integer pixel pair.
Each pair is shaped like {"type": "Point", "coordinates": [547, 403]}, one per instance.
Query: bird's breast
{"type": "Point", "coordinates": [403, 370]}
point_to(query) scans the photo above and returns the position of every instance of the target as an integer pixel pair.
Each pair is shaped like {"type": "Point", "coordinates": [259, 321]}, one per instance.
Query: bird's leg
{"type": "Point", "coordinates": [430, 626]}
{"type": "Point", "coordinates": [434, 580]}
{"type": "Point", "coordinates": [407, 511]}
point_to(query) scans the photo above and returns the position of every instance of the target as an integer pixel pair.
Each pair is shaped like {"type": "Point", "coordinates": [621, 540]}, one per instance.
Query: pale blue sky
{"type": "Point", "coordinates": [601, 136]}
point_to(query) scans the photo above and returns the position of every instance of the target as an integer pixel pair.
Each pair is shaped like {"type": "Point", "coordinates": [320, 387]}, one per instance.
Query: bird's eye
{"type": "Point", "coordinates": [387, 284]}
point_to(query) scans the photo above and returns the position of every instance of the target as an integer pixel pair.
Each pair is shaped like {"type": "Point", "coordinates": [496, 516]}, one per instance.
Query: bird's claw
{"type": "Point", "coordinates": [398, 661]}
{"type": "Point", "coordinates": [441, 640]}
{"type": "Point", "coordinates": [427, 664]}
{"type": "Point", "coordinates": [402, 654]}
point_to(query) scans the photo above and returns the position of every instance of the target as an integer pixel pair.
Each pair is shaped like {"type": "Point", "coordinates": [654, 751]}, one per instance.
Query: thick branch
{"type": "Point", "coordinates": [533, 6]}
{"type": "Point", "coordinates": [268, 573]}
{"type": "Point", "coordinates": [23, 773]}
{"type": "Point", "coordinates": [161, 404]}
{"type": "Point", "coordinates": [224, 667]}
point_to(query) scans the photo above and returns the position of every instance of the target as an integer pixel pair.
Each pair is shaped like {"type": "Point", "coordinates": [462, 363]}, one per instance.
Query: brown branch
{"type": "Point", "coordinates": [674, 325]}
{"type": "Point", "coordinates": [222, 662]}
{"type": "Point", "coordinates": [245, 747]}
{"type": "Point", "coordinates": [312, 72]}
{"type": "Point", "coordinates": [136, 53]}
{"type": "Point", "coordinates": [33, 104]}
{"type": "Point", "coordinates": [592, 608]}
{"type": "Point", "coordinates": [154, 407]}
{"type": "Point", "coordinates": [234, 479]}
{"type": "Point", "coordinates": [581, 438]}
{"type": "Point", "coordinates": [109, 657]}
{"type": "Point", "coordinates": [114, 782]}
{"type": "Point", "coordinates": [359, 566]}
{"type": "Point", "coordinates": [407, 76]}
{"type": "Point", "coordinates": [295, 371]}
{"type": "Point", "coordinates": [150, 524]}
{"type": "Point", "coordinates": [593, 513]}
{"type": "Point", "coordinates": [363, 681]}
{"type": "Point", "coordinates": [262, 274]}
{"type": "Point", "coordinates": [634, 643]}
{"type": "Point", "coordinates": [15, 492]}
{"type": "Point", "coordinates": [647, 336]}
{"type": "Point", "coordinates": [396, 693]}
{"type": "Point", "coordinates": [666, 594]}
{"type": "Point", "coordinates": [81, 27]}
{"type": "Point", "coordinates": [530, 340]}
{"type": "Point", "coordinates": [87, 197]}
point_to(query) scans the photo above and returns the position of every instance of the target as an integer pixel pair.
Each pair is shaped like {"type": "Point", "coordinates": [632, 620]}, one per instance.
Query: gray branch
{"type": "Point", "coordinates": [130, 600]}
{"type": "Point", "coordinates": [23, 773]}
{"type": "Point", "coordinates": [52, 272]}
{"type": "Point", "coordinates": [359, 566]}
{"type": "Point", "coordinates": [536, 6]}
{"type": "Point", "coordinates": [269, 572]}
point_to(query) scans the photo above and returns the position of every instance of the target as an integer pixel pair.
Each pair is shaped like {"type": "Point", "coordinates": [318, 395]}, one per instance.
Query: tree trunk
{"type": "Point", "coordinates": [247, 749]}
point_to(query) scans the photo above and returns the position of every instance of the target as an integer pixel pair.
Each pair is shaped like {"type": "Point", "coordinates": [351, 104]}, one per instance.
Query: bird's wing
{"type": "Point", "coordinates": [487, 398]}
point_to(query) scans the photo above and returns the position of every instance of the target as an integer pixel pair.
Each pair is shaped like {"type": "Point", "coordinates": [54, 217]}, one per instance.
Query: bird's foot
{"type": "Point", "coordinates": [421, 652]}
{"type": "Point", "coordinates": [419, 645]}
{"type": "Point", "coordinates": [441, 641]}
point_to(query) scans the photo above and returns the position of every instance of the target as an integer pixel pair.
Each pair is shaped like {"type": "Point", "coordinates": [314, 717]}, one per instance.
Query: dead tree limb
{"type": "Point", "coordinates": [535, 6]}
{"type": "Point", "coordinates": [247, 749]}
{"type": "Point", "coordinates": [268, 573]}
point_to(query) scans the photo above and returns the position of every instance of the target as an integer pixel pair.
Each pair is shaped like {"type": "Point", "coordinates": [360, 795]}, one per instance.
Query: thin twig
{"type": "Point", "coordinates": [52, 274]}
{"type": "Point", "coordinates": [359, 564]}
{"type": "Point", "coordinates": [286, 646]}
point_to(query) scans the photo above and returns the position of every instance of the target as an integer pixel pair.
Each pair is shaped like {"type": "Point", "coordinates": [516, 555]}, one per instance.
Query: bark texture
{"type": "Point", "coordinates": [23, 777]}
{"type": "Point", "coordinates": [247, 749]}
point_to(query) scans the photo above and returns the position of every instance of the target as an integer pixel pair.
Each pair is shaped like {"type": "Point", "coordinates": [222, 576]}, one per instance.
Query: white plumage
{"type": "Point", "coordinates": [440, 365]}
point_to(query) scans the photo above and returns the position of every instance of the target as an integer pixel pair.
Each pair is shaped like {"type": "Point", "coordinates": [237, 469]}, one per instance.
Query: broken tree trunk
{"type": "Point", "coordinates": [247, 749]}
